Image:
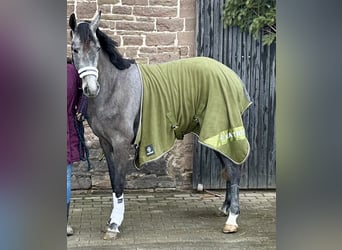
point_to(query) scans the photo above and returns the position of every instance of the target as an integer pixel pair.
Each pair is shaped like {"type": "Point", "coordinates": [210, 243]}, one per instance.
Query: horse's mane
{"type": "Point", "coordinates": [108, 45]}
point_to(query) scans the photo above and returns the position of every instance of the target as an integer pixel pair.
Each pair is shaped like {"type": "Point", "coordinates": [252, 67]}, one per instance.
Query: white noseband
{"type": "Point", "coordinates": [88, 70]}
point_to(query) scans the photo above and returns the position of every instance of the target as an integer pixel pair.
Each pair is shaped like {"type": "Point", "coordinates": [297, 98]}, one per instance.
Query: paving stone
{"type": "Point", "coordinates": [173, 220]}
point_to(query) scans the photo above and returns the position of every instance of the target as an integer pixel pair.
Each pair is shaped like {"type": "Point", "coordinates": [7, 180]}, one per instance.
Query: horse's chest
{"type": "Point", "coordinates": [95, 124]}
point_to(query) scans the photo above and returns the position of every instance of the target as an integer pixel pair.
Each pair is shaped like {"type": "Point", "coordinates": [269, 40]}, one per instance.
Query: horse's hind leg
{"type": "Point", "coordinates": [231, 202]}
{"type": "Point", "coordinates": [226, 204]}
{"type": "Point", "coordinates": [227, 201]}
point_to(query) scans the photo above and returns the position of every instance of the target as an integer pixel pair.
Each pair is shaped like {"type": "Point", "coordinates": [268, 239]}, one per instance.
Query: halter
{"type": "Point", "coordinates": [88, 70]}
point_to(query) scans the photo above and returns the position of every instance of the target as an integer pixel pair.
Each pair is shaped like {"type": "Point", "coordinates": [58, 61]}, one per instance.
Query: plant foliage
{"type": "Point", "coordinates": [252, 15]}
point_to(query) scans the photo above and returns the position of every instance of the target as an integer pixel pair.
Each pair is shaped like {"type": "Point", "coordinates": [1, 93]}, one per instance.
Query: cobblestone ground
{"type": "Point", "coordinates": [174, 220]}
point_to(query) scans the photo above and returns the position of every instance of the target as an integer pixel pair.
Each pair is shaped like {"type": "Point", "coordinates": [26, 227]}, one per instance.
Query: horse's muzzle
{"type": "Point", "coordinates": [91, 92]}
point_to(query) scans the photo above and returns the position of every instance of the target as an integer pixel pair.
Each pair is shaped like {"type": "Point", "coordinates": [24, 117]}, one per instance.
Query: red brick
{"type": "Point", "coordinates": [135, 26]}
{"type": "Point", "coordinates": [155, 11]}
{"type": "Point", "coordinates": [132, 40]}
{"type": "Point", "coordinates": [164, 2]}
{"type": "Point", "coordinates": [107, 24]}
{"type": "Point", "coordinates": [146, 19]}
{"type": "Point", "coordinates": [129, 33]}
{"type": "Point", "coordinates": [187, 8]}
{"type": "Point", "coordinates": [168, 50]}
{"type": "Point", "coordinates": [192, 49]}
{"type": "Point", "coordinates": [170, 24]}
{"type": "Point", "coordinates": [135, 2]}
{"type": "Point", "coordinates": [187, 4]}
{"type": "Point", "coordinates": [186, 38]}
{"type": "Point", "coordinates": [131, 52]}
{"type": "Point", "coordinates": [188, 13]}
{"type": "Point", "coordinates": [190, 24]}
{"type": "Point", "coordinates": [163, 57]}
{"type": "Point", "coordinates": [148, 50]}
{"type": "Point", "coordinates": [117, 17]}
{"type": "Point", "coordinates": [105, 9]}
{"type": "Point", "coordinates": [85, 10]}
{"type": "Point", "coordinates": [160, 39]}
{"type": "Point", "coordinates": [70, 10]}
{"type": "Point", "coordinates": [122, 10]}
{"type": "Point", "coordinates": [184, 51]}
{"type": "Point", "coordinates": [100, 2]}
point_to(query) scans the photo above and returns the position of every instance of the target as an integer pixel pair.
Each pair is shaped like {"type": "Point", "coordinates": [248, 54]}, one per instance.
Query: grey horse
{"type": "Point", "coordinates": [116, 112]}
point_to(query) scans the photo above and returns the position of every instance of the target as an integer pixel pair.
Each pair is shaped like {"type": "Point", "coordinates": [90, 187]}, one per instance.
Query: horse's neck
{"type": "Point", "coordinates": [116, 83]}
{"type": "Point", "coordinates": [119, 96]}
{"type": "Point", "coordinates": [108, 75]}
{"type": "Point", "coordinates": [107, 71]}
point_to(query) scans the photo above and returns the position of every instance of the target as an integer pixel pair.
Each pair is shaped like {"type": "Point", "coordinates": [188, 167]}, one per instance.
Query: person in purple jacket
{"type": "Point", "coordinates": [76, 111]}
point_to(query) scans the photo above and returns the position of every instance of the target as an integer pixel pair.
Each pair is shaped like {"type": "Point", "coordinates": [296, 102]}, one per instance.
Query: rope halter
{"type": "Point", "coordinates": [88, 70]}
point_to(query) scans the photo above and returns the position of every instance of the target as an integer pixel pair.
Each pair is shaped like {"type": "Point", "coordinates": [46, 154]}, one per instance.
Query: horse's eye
{"type": "Point", "coordinates": [75, 51]}
{"type": "Point", "coordinates": [98, 49]}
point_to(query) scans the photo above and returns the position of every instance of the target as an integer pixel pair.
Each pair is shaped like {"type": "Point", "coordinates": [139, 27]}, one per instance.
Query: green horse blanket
{"type": "Point", "coordinates": [198, 95]}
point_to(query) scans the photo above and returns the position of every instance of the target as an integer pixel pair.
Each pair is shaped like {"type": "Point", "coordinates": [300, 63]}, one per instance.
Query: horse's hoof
{"type": "Point", "coordinates": [110, 235]}
{"type": "Point", "coordinates": [112, 231]}
{"type": "Point", "coordinates": [227, 229]}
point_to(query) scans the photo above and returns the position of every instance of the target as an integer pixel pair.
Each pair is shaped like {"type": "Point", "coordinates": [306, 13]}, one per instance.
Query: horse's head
{"type": "Point", "coordinates": [85, 52]}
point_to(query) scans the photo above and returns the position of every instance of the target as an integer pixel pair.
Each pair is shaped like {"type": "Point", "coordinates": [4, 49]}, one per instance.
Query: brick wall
{"type": "Point", "coordinates": [150, 31]}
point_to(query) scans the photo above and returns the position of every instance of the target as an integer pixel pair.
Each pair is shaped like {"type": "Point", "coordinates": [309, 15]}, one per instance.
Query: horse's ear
{"type": "Point", "coordinates": [72, 21]}
{"type": "Point", "coordinates": [95, 21]}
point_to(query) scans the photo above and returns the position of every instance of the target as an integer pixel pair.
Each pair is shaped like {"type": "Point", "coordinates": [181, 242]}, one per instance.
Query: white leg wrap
{"type": "Point", "coordinates": [118, 210]}
{"type": "Point", "coordinates": [232, 219]}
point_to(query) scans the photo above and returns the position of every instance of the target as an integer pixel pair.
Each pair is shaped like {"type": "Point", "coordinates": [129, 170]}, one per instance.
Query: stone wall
{"type": "Point", "coordinates": [150, 31]}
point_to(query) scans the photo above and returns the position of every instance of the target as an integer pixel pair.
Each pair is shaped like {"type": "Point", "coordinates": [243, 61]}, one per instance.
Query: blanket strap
{"type": "Point", "coordinates": [175, 126]}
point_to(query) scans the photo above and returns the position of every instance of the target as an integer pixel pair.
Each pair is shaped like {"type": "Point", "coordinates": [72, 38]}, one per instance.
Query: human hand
{"type": "Point", "coordinates": [79, 116]}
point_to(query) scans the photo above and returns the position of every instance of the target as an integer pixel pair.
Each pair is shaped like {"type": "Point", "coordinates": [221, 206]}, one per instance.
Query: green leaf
{"type": "Point", "coordinates": [252, 15]}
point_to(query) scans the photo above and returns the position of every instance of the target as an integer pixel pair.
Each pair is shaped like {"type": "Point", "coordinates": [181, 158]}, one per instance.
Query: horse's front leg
{"type": "Point", "coordinates": [117, 179]}
{"type": "Point", "coordinates": [232, 196]}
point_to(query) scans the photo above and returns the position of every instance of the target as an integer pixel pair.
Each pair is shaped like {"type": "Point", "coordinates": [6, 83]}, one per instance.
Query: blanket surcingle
{"type": "Point", "coordinates": [198, 95]}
